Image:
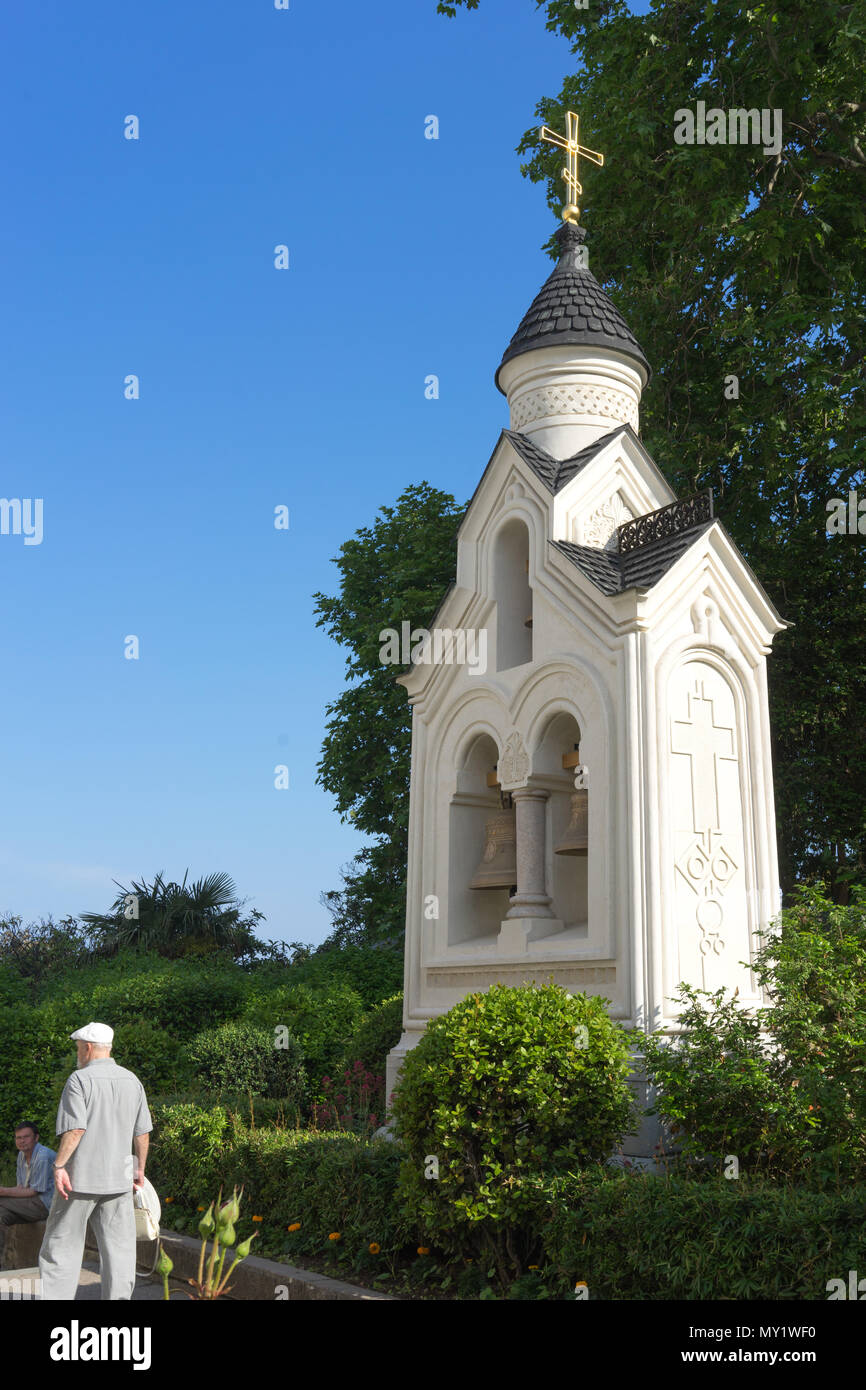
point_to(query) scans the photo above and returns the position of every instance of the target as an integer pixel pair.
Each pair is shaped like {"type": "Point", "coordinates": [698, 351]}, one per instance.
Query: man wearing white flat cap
{"type": "Point", "coordinates": [102, 1118]}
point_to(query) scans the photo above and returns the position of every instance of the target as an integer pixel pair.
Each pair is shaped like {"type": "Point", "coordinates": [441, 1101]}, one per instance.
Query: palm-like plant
{"type": "Point", "coordinates": [175, 919]}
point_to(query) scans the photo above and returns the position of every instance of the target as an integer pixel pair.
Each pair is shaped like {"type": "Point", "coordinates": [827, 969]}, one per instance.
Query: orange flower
{"type": "Point", "coordinates": [295, 1226]}
{"type": "Point", "coordinates": [168, 1200]}
{"type": "Point", "coordinates": [374, 1249]}
{"type": "Point", "coordinates": [423, 1250]}
{"type": "Point", "coordinates": [335, 1235]}
{"type": "Point", "coordinates": [532, 1266]}
{"type": "Point", "coordinates": [258, 1218]}
{"type": "Point", "coordinates": [199, 1208]}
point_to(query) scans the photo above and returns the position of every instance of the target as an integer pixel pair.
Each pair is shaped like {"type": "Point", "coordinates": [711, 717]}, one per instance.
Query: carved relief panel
{"type": "Point", "coordinates": [705, 747]}
{"type": "Point", "coordinates": [599, 529]}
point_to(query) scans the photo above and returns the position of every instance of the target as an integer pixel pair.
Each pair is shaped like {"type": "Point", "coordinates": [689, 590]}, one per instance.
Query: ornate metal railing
{"type": "Point", "coordinates": [667, 521]}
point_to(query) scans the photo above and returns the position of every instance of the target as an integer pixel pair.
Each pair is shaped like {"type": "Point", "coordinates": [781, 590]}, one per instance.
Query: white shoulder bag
{"type": "Point", "coordinates": [147, 1213]}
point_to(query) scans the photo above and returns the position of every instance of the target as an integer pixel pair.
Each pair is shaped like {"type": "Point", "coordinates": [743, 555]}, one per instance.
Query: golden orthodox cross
{"type": "Point", "coordinates": [574, 149]}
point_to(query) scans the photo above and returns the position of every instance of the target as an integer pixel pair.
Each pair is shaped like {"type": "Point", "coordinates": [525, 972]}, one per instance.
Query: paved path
{"type": "Point", "coordinates": [89, 1286]}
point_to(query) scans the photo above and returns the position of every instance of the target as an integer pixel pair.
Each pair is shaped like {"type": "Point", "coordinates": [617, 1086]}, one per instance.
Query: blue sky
{"type": "Point", "coordinates": [259, 388]}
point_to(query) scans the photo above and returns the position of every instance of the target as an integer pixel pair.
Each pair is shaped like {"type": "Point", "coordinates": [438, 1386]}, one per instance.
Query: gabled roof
{"type": "Point", "coordinates": [613, 573]}
{"type": "Point", "coordinates": [555, 473]}
{"type": "Point", "coordinates": [572, 308]}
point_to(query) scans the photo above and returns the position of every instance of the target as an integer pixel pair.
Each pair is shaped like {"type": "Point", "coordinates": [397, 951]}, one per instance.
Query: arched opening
{"type": "Point", "coordinates": [474, 914]}
{"type": "Point", "coordinates": [513, 594]}
{"type": "Point", "coordinates": [567, 871]}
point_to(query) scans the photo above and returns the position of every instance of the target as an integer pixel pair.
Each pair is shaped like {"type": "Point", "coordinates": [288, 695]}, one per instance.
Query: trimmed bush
{"type": "Point", "coordinates": [182, 996]}
{"type": "Point", "coordinates": [326, 1182]}
{"type": "Point", "coordinates": [641, 1237]}
{"type": "Point", "coordinates": [186, 1144]}
{"type": "Point", "coordinates": [151, 1052]}
{"type": "Point", "coordinates": [321, 1020]}
{"type": "Point", "coordinates": [240, 1058]}
{"type": "Point", "coordinates": [373, 974]}
{"type": "Point", "coordinates": [629, 1237]}
{"type": "Point", "coordinates": [506, 1087]}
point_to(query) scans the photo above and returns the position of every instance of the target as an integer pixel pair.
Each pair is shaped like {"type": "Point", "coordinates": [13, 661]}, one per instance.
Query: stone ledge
{"type": "Point", "coordinates": [22, 1244]}
{"type": "Point", "coordinates": [260, 1279]}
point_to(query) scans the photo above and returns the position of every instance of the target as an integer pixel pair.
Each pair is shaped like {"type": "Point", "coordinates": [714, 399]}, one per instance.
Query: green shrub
{"type": "Point", "coordinates": [329, 1183]}
{"type": "Point", "coordinates": [814, 971]}
{"type": "Point", "coordinates": [321, 1019]}
{"type": "Point", "coordinates": [241, 1058]}
{"type": "Point", "coordinates": [722, 1091]}
{"type": "Point", "coordinates": [373, 974]}
{"type": "Point", "coordinates": [784, 1089]}
{"type": "Point", "coordinates": [506, 1087]}
{"type": "Point", "coordinates": [363, 1063]}
{"type": "Point", "coordinates": [184, 996]}
{"type": "Point", "coordinates": [375, 1035]}
{"type": "Point", "coordinates": [42, 949]}
{"type": "Point", "coordinates": [32, 1050]}
{"type": "Point", "coordinates": [641, 1237]}
{"type": "Point", "coordinates": [150, 1051]}
{"type": "Point", "coordinates": [186, 1146]}
{"type": "Point", "coordinates": [13, 986]}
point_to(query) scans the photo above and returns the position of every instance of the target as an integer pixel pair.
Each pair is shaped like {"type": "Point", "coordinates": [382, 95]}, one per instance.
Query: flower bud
{"type": "Point", "coordinates": [244, 1249]}
{"type": "Point", "coordinates": [207, 1225]}
{"type": "Point", "coordinates": [232, 1209]}
{"type": "Point", "coordinates": [164, 1265]}
{"type": "Point", "coordinates": [226, 1235]}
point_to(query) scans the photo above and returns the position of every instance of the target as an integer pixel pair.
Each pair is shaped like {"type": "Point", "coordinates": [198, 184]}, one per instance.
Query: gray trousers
{"type": "Point", "coordinates": [112, 1218]}
{"type": "Point", "coordinates": [16, 1210]}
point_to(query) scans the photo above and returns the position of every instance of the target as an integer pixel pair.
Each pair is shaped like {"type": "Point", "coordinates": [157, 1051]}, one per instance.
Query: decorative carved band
{"type": "Point", "coordinates": [574, 400]}
{"type": "Point", "coordinates": [453, 977]}
{"type": "Point", "coordinates": [667, 521]}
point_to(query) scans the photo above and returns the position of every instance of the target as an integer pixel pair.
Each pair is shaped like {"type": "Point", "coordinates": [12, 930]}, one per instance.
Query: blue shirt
{"type": "Point", "coordinates": [41, 1172]}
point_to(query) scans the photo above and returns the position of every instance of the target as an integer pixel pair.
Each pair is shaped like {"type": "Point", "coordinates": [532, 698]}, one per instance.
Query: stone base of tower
{"type": "Point", "coordinates": [394, 1062]}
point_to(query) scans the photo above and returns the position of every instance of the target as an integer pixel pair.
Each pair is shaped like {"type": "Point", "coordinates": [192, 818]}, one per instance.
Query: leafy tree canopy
{"type": "Point", "coordinates": [392, 572]}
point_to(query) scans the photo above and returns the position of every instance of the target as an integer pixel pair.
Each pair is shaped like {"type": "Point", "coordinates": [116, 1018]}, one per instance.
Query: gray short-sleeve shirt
{"type": "Point", "coordinates": [109, 1104]}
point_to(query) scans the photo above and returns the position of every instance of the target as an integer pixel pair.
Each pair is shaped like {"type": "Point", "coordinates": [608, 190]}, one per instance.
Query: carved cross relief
{"type": "Point", "coordinates": [706, 864]}
{"type": "Point", "coordinates": [705, 743]}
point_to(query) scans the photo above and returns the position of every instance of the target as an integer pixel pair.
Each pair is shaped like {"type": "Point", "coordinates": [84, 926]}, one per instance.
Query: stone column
{"type": "Point", "coordinates": [530, 915]}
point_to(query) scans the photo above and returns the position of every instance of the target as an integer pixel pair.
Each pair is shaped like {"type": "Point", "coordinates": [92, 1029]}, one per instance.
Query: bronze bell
{"type": "Point", "coordinates": [575, 840]}
{"type": "Point", "coordinates": [497, 867]}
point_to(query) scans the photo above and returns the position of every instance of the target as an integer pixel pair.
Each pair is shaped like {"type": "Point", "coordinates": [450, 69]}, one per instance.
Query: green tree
{"type": "Point", "coordinates": [391, 572]}
{"type": "Point", "coordinates": [730, 262]}
{"type": "Point", "coordinates": [174, 920]}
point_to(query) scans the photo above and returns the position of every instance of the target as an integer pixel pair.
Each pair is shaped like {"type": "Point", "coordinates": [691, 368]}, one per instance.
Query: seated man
{"type": "Point", "coordinates": [30, 1200]}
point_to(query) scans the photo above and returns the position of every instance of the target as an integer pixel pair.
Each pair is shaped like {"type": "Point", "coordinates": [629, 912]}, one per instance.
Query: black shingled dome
{"type": "Point", "coordinates": [572, 308]}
